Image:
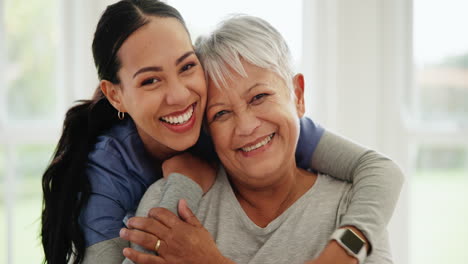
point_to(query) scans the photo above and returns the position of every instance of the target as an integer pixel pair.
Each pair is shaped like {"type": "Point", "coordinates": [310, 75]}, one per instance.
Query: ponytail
{"type": "Point", "coordinates": [65, 186]}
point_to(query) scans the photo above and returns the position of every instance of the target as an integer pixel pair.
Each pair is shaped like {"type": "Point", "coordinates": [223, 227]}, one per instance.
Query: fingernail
{"type": "Point", "coordinates": [123, 232]}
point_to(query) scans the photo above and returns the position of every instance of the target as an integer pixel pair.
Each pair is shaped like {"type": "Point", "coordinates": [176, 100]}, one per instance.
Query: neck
{"type": "Point", "coordinates": [266, 203]}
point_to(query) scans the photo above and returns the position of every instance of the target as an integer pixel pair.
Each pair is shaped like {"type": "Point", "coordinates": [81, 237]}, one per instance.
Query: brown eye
{"type": "Point", "coordinates": [149, 81]}
{"type": "Point", "coordinates": [188, 66]}
{"type": "Point", "coordinates": [220, 114]}
{"type": "Point", "coordinates": [258, 98]}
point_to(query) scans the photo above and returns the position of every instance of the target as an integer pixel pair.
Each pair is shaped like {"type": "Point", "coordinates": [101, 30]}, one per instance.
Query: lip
{"type": "Point", "coordinates": [181, 111]}
{"type": "Point", "coordinates": [259, 150]}
{"type": "Point", "coordinates": [182, 128]}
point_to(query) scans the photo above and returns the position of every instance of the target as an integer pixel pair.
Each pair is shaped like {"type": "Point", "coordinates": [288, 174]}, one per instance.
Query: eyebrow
{"type": "Point", "coordinates": [213, 105]}
{"type": "Point", "coordinates": [252, 87]}
{"type": "Point", "coordinates": [159, 68]}
{"type": "Point", "coordinates": [147, 69]}
{"type": "Point", "coordinates": [181, 58]}
{"type": "Point", "coordinates": [245, 93]}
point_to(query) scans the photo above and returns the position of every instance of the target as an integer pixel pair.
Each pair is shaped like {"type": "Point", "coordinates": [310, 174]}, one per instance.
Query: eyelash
{"type": "Point", "coordinates": [149, 81]}
{"type": "Point", "coordinates": [258, 97]}
{"type": "Point", "coordinates": [217, 115]}
{"type": "Point", "coordinates": [185, 68]}
{"type": "Point", "coordinates": [190, 65]}
{"type": "Point", "coordinates": [253, 100]}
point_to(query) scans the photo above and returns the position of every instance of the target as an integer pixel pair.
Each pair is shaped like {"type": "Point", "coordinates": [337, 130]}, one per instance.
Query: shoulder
{"type": "Point", "coordinates": [119, 171]}
{"type": "Point", "coordinates": [120, 153]}
{"type": "Point", "coordinates": [118, 137]}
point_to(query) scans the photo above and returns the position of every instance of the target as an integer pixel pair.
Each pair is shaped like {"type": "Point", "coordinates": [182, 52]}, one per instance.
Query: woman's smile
{"type": "Point", "coordinates": [180, 121]}
{"type": "Point", "coordinates": [257, 147]}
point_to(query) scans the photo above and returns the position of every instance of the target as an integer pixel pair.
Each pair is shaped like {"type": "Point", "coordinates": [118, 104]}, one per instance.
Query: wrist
{"type": "Point", "coordinates": [351, 243]}
{"type": "Point", "coordinates": [335, 254]}
{"type": "Point", "coordinates": [361, 236]}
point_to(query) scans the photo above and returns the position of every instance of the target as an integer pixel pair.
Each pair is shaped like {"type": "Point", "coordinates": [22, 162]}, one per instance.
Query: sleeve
{"type": "Point", "coordinates": [309, 137]}
{"type": "Point", "coordinates": [376, 182]}
{"type": "Point", "coordinates": [106, 252]}
{"type": "Point", "coordinates": [179, 187]}
{"type": "Point", "coordinates": [167, 194]}
{"type": "Point", "coordinates": [113, 195]}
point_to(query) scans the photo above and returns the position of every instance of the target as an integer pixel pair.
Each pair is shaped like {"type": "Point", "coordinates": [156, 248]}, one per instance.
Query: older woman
{"type": "Point", "coordinates": [262, 208]}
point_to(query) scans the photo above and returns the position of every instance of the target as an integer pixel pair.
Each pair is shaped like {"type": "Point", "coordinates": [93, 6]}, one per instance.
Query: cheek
{"type": "Point", "coordinates": [215, 135]}
{"type": "Point", "coordinates": [199, 84]}
{"type": "Point", "coordinates": [147, 102]}
{"type": "Point", "coordinates": [273, 110]}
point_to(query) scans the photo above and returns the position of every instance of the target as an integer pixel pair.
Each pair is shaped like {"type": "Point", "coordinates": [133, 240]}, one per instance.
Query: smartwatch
{"type": "Point", "coordinates": [351, 242]}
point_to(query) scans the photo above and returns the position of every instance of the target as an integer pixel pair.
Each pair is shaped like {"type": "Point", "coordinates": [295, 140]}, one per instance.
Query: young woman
{"type": "Point", "coordinates": [148, 107]}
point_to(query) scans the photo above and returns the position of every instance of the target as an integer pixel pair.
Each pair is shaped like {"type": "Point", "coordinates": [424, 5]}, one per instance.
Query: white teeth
{"type": "Point", "coordinates": [259, 144]}
{"type": "Point", "coordinates": [180, 119]}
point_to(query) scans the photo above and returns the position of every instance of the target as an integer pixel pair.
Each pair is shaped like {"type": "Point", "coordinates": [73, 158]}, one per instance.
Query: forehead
{"type": "Point", "coordinates": [160, 39]}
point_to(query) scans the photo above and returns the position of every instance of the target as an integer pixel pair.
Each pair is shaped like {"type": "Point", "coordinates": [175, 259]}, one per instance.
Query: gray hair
{"type": "Point", "coordinates": [243, 37]}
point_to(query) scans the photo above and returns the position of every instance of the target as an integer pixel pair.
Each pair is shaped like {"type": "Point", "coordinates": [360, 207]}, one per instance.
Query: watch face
{"type": "Point", "coordinates": [352, 241]}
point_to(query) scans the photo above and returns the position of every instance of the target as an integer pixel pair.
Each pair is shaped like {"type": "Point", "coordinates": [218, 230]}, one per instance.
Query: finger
{"type": "Point", "coordinates": [186, 214]}
{"type": "Point", "coordinates": [142, 258]}
{"type": "Point", "coordinates": [149, 225]}
{"type": "Point", "coordinates": [162, 249]}
{"type": "Point", "coordinates": [166, 217]}
{"type": "Point", "coordinates": [146, 240]}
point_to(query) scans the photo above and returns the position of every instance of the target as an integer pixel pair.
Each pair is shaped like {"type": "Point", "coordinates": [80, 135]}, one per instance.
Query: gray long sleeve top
{"type": "Point", "coordinates": [305, 227]}
{"type": "Point", "coordinates": [376, 181]}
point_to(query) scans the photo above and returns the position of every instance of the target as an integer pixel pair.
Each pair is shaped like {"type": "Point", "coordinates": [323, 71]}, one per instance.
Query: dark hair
{"type": "Point", "coordinates": [65, 185]}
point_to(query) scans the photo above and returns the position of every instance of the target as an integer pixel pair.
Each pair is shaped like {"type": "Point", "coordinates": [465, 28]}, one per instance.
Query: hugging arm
{"type": "Point", "coordinates": [109, 201]}
{"type": "Point", "coordinates": [377, 180]}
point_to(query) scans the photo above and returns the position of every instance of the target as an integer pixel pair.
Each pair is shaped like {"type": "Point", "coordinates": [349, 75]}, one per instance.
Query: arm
{"type": "Point", "coordinates": [188, 178]}
{"type": "Point", "coordinates": [176, 187]}
{"type": "Point", "coordinates": [108, 203]}
{"type": "Point", "coordinates": [183, 240]}
{"type": "Point", "coordinates": [108, 251]}
{"type": "Point", "coordinates": [377, 180]}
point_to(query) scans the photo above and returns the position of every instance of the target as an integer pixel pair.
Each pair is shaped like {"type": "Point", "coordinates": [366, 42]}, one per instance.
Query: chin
{"type": "Point", "coordinates": [186, 143]}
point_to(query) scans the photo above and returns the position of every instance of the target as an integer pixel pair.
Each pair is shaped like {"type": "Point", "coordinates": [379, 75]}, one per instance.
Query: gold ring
{"type": "Point", "coordinates": [158, 244]}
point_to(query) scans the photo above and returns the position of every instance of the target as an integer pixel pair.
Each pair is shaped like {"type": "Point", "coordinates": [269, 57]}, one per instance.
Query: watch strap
{"type": "Point", "coordinates": [351, 242]}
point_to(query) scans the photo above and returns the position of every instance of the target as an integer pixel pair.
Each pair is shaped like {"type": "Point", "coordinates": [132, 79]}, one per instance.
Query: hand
{"type": "Point", "coordinates": [181, 241]}
{"type": "Point", "coordinates": [193, 167]}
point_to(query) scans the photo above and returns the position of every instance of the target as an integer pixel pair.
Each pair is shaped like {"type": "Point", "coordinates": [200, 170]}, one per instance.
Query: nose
{"type": "Point", "coordinates": [177, 93]}
{"type": "Point", "coordinates": [246, 123]}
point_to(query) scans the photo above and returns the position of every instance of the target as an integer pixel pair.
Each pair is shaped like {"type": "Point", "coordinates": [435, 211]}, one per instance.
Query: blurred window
{"type": "Point", "coordinates": [202, 16]}
{"type": "Point", "coordinates": [440, 107]}
{"type": "Point", "coordinates": [29, 99]}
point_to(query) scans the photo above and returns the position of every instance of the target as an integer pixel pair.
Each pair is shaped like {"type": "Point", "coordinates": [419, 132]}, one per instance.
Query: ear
{"type": "Point", "coordinates": [113, 93]}
{"type": "Point", "coordinates": [298, 82]}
